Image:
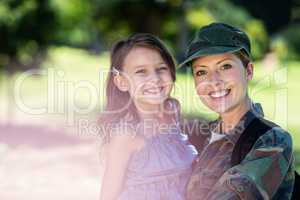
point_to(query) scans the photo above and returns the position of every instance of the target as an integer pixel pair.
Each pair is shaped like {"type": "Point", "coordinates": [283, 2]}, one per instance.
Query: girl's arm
{"type": "Point", "coordinates": [119, 151]}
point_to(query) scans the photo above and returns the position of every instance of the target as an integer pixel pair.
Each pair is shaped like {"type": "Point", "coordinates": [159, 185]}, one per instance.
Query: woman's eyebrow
{"type": "Point", "coordinates": [222, 60]}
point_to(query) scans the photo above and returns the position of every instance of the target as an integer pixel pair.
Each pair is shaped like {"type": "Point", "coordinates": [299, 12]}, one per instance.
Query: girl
{"type": "Point", "coordinates": [147, 156]}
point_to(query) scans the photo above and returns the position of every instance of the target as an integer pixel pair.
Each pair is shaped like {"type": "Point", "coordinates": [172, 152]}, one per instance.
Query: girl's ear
{"type": "Point", "coordinates": [121, 83]}
{"type": "Point", "coordinates": [249, 71]}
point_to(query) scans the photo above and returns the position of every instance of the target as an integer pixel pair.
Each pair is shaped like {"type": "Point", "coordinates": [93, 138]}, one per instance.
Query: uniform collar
{"type": "Point", "coordinates": [254, 112]}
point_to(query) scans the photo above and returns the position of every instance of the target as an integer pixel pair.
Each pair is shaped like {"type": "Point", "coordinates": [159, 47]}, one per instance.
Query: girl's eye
{"type": "Point", "coordinates": [163, 68]}
{"type": "Point", "coordinates": [201, 73]}
{"type": "Point", "coordinates": [141, 71]}
{"type": "Point", "coordinates": [226, 66]}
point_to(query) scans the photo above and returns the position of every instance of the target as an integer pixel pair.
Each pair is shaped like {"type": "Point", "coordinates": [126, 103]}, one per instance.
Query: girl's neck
{"type": "Point", "coordinates": [155, 119]}
{"type": "Point", "coordinates": [151, 111]}
{"type": "Point", "coordinates": [232, 117]}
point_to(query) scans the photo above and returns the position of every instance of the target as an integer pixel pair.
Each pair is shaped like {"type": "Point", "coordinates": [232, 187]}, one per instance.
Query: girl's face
{"type": "Point", "coordinates": [222, 81]}
{"type": "Point", "coordinates": [146, 77]}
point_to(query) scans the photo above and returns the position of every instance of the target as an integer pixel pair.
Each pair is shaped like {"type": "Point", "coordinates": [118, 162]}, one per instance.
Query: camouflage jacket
{"type": "Point", "coordinates": [267, 172]}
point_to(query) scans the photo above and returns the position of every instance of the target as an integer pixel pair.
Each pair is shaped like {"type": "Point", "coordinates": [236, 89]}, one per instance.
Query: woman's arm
{"type": "Point", "coordinates": [119, 151]}
{"type": "Point", "coordinates": [262, 171]}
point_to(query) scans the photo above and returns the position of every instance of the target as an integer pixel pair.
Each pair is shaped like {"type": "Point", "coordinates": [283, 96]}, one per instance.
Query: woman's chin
{"type": "Point", "coordinates": [220, 109]}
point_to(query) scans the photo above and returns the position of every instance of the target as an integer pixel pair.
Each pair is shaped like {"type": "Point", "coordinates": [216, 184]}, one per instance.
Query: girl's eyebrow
{"type": "Point", "coordinates": [161, 63]}
{"type": "Point", "coordinates": [144, 66]}
{"type": "Point", "coordinates": [139, 66]}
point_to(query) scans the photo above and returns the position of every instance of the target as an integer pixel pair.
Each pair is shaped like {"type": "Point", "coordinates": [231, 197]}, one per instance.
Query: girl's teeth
{"type": "Point", "coordinates": [218, 94]}
{"type": "Point", "coordinates": [153, 91]}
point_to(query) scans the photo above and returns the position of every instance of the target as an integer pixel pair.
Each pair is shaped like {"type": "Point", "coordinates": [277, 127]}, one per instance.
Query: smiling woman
{"type": "Point", "coordinates": [244, 150]}
{"type": "Point", "coordinates": [221, 82]}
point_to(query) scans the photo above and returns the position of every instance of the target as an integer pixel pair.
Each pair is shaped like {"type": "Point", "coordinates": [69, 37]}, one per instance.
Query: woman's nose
{"type": "Point", "coordinates": [215, 79]}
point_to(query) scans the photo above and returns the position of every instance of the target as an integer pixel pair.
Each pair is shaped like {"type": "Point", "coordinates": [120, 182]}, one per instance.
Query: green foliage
{"type": "Point", "coordinates": [116, 19]}
{"type": "Point", "coordinates": [225, 11]}
{"type": "Point", "coordinates": [288, 41]}
{"type": "Point", "coordinates": [258, 36]}
{"type": "Point", "coordinates": [280, 47]}
{"type": "Point", "coordinates": [29, 27]}
{"type": "Point", "coordinates": [26, 28]}
{"type": "Point", "coordinates": [198, 17]}
{"type": "Point", "coordinates": [75, 22]}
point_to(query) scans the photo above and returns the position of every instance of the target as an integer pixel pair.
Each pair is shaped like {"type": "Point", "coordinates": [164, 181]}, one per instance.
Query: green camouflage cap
{"type": "Point", "coordinates": [217, 38]}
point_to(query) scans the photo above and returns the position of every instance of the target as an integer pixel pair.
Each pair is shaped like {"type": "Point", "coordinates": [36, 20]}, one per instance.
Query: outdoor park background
{"type": "Point", "coordinates": [53, 61]}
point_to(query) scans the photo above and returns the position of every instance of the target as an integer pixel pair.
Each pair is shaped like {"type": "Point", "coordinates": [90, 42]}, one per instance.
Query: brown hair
{"type": "Point", "coordinates": [119, 105]}
{"type": "Point", "coordinates": [243, 56]}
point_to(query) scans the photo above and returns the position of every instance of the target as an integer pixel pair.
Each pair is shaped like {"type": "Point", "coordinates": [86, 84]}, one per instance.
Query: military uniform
{"type": "Point", "coordinates": [267, 172]}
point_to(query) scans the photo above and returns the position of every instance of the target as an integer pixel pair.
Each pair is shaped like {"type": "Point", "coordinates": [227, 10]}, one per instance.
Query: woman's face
{"type": "Point", "coordinates": [148, 77]}
{"type": "Point", "coordinates": [221, 81]}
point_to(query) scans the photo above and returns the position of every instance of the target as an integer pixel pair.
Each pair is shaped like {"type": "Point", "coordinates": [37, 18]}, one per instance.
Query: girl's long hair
{"type": "Point", "coordinates": [119, 105]}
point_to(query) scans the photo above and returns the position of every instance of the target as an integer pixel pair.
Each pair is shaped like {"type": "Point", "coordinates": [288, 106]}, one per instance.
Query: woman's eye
{"type": "Point", "coordinates": [201, 73]}
{"type": "Point", "coordinates": [226, 66]}
{"type": "Point", "coordinates": [141, 71]}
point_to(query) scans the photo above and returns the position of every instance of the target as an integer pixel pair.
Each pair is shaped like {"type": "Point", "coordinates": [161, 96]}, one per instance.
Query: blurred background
{"type": "Point", "coordinates": [54, 56]}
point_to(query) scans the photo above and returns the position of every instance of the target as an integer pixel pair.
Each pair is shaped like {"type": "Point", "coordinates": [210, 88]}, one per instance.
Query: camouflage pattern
{"type": "Point", "coordinates": [267, 172]}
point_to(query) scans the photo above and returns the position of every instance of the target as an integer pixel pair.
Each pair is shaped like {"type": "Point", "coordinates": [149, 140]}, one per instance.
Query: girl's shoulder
{"type": "Point", "coordinates": [124, 136]}
{"type": "Point", "coordinates": [174, 108]}
{"type": "Point", "coordinates": [173, 103]}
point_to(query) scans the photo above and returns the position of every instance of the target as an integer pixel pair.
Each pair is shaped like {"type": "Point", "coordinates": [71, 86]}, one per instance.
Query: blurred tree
{"type": "Point", "coordinates": [75, 22]}
{"type": "Point", "coordinates": [275, 14]}
{"type": "Point", "coordinates": [26, 28]}
{"type": "Point", "coordinates": [295, 18]}
{"type": "Point", "coordinates": [165, 18]}
{"type": "Point", "coordinates": [117, 18]}
{"type": "Point", "coordinates": [290, 43]}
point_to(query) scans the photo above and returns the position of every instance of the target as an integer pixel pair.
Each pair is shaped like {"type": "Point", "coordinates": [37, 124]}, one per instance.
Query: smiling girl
{"type": "Point", "coordinates": [147, 155]}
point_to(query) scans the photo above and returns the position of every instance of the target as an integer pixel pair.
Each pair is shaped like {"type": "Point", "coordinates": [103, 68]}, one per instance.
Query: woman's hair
{"type": "Point", "coordinates": [119, 105]}
{"type": "Point", "coordinates": [243, 56]}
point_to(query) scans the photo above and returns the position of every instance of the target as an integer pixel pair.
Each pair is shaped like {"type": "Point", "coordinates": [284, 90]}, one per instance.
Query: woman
{"type": "Point", "coordinates": [246, 157]}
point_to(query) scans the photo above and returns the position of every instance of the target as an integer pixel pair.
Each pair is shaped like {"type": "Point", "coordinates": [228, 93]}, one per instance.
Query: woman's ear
{"type": "Point", "coordinates": [121, 83]}
{"type": "Point", "coordinates": [249, 71]}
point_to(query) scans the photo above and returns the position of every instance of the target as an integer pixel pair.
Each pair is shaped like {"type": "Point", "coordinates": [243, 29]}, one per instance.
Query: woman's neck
{"type": "Point", "coordinates": [232, 117]}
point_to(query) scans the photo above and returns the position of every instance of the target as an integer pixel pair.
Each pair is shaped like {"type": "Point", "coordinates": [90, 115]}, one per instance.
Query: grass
{"type": "Point", "coordinates": [79, 77]}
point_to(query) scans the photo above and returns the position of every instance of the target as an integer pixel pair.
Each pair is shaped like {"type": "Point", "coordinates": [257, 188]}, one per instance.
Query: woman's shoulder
{"type": "Point", "coordinates": [277, 136]}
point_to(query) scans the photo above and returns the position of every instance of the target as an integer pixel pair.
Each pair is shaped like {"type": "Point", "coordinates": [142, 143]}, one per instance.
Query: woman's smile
{"type": "Point", "coordinates": [219, 94]}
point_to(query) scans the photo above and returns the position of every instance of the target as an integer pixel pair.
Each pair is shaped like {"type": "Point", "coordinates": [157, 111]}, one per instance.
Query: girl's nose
{"type": "Point", "coordinates": [154, 77]}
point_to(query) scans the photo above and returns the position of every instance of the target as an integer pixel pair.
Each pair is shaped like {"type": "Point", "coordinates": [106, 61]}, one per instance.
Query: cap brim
{"type": "Point", "coordinates": [209, 51]}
